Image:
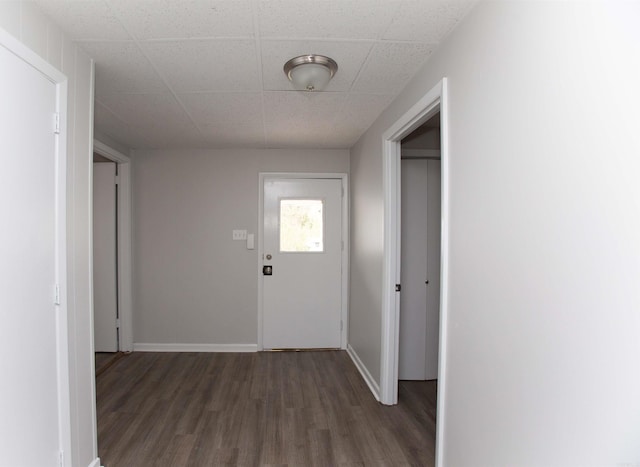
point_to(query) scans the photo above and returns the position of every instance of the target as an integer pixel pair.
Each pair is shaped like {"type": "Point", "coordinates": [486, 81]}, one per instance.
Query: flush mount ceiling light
{"type": "Point", "coordinates": [310, 72]}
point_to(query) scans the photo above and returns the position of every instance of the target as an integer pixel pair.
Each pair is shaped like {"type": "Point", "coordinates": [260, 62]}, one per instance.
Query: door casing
{"type": "Point", "coordinates": [263, 176]}
{"type": "Point", "coordinates": [125, 277]}
{"type": "Point", "coordinates": [433, 101]}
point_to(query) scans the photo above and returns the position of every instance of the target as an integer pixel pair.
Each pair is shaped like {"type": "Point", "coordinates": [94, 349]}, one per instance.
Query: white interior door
{"type": "Point", "coordinates": [105, 292]}
{"type": "Point", "coordinates": [302, 244]}
{"type": "Point", "coordinates": [420, 270]}
{"type": "Point", "coordinates": [413, 298]}
{"type": "Point", "coordinates": [32, 223]}
{"type": "Point", "coordinates": [434, 229]}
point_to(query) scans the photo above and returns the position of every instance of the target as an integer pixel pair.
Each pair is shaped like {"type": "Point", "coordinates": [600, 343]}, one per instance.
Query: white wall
{"type": "Point", "coordinates": [25, 22]}
{"type": "Point", "coordinates": [193, 284]}
{"type": "Point", "coordinates": [545, 260]}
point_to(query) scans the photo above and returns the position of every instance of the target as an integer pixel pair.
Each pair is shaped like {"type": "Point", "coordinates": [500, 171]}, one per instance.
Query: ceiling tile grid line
{"type": "Point", "coordinates": [391, 66]}
{"type": "Point", "coordinates": [342, 109]}
{"type": "Point", "coordinates": [366, 60]}
{"type": "Point", "coordinates": [234, 38]}
{"type": "Point", "coordinates": [161, 40]}
{"type": "Point", "coordinates": [318, 39]}
{"type": "Point", "coordinates": [256, 27]}
{"type": "Point", "coordinates": [196, 39]}
{"type": "Point", "coordinates": [392, 18]}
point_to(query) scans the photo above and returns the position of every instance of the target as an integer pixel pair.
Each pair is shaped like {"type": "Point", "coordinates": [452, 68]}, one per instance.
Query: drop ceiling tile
{"type": "Point", "coordinates": [357, 19]}
{"type": "Point", "coordinates": [358, 114]}
{"type": "Point", "coordinates": [213, 65]}
{"type": "Point", "coordinates": [238, 137]}
{"type": "Point", "coordinates": [171, 19]}
{"type": "Point", "coordinates": [303, 139]}
{"type": "Point", "coordinates": [122, 67]}
{"type": "Point", "coordinates": [159, 109]}
{"type": "Point", "coordinates": [340, 139]}
{"type": "Point", "coordinates": [156, 117]}
{"type": "Point", "coordinates": [225, 117]}
{"type": "Point", "coordinates": [87, 19]}
{"type": "Point", "coordinates": [222, 108]}
{"type": "Point", "coordinates": [174, 137]}
{"type": "Point", "coordinates": [108, 124]}
{"type": "Point", "coordinates": [350, 57]}
{"type": "Point", "coordinates": [390, 66]}
{"type": "Point", "coordinates": [292, 117]}
{"type": "Point", "coordinates": [426, 21]}
{"type": "Point", "coordinates": [295, 108]}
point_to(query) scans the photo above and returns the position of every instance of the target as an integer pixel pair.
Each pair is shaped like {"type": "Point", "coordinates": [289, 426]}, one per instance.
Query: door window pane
{"type": "Point", "coordinates": [301, 225]}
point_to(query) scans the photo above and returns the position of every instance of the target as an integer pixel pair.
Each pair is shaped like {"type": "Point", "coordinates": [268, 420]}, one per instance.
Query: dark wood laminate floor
{"type": "Point", "coordinates": [255, 409]}
{"type": "Point", "coordinates": [103, 358]}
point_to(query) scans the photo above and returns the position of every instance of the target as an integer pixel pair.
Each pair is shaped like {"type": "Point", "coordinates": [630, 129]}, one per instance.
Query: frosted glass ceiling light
{"type": "Point", "coordinates": [310, 72]}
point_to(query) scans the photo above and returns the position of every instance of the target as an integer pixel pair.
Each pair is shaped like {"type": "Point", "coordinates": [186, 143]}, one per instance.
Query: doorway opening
{"type": "Point", "coordinates": [431, 104]}
{"type": "Point", "coordinates": [420, 253]}
{"type": "Point", "coordinates": [112, 320]}
{"type": "Point", "coordinates": [420, 270]}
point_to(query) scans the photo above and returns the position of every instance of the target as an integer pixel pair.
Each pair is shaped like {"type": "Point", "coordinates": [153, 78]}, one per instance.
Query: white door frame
{"type": "Point", "coordinates": [344, 314]}
{"type": "Point", "coordinates": [62, 335]}
{"type": "Point", "coordinates": [425, 108]}
{"type": "Point", "coordinates": [125, 295]}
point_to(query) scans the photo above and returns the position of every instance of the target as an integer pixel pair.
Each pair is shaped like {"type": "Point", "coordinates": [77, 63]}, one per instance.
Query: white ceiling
{"type": "Point", "coordinates": [208, 73]}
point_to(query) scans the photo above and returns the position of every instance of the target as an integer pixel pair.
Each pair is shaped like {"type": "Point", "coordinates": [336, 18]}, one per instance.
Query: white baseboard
{"type": "Point", "coordinates": [95, 463]}
{"type": "Point", "coordinates": [144, 347]}
{"type": "Point", "coordinates": [373, 386]}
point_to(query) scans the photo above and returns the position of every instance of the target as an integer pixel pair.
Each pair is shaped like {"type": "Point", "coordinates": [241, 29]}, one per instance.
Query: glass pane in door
{"type": "Point", "coordinates": [301, 225]}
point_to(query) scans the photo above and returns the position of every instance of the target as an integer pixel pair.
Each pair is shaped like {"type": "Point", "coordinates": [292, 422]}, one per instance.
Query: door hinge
{"type": "Point", "coordinates": [61, 458]}
{"type": "Point", "coordinates": [341, 325]}
{"type": "Point", "coordinates": [398, 287]}
{"type": "Point", "coordinates": [117, 179]}
{"type": "Point", "coordinates": [56, 123]}
{"type": "Point", "coordinates": [117, 323]}
{"type": "Point", "coordinates": [56, 294]}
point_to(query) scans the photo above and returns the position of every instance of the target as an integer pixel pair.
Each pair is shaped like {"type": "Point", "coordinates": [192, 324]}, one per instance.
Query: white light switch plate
{"type": "Point", "coordinates": [239, 234]}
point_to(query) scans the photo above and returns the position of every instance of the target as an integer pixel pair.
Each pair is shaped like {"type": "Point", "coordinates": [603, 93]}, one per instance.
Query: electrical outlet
{"type": "Point", "coordinates": [239, 234]}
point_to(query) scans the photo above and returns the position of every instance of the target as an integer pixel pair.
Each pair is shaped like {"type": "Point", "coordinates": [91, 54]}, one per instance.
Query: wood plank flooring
{"type": "Point", "coordinates": [257, 409]}
{"type": "Point", "coordinates": [104, 360]}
